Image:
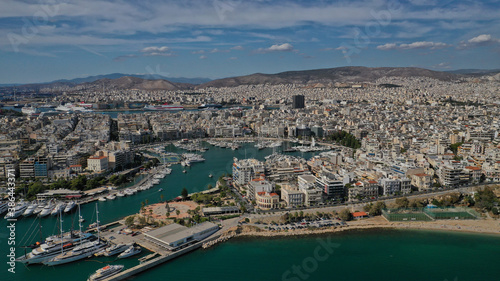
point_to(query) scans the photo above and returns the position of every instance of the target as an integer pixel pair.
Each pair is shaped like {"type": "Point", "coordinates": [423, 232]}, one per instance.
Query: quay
{"type": "Point", "coordinates": [146, 262]}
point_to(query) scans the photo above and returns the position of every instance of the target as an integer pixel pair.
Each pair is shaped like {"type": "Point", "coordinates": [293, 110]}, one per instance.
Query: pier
{"type": "Point", "coordinates": [165, 255]}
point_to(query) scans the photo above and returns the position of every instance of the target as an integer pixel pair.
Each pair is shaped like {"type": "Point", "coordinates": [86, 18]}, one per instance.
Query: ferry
{"type": "Point", "coordinates": [105, 272]}
{"type": "Point", "coordinates": [164, 107]}
{"type": "Point", "coordinates": [203, 106]}
{"type": "Point", "coordinates": [30, 111]}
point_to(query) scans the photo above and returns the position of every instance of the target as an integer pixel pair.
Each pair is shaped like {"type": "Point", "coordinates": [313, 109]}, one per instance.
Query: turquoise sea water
{"type": "Point", "coordinates": [369, 255]}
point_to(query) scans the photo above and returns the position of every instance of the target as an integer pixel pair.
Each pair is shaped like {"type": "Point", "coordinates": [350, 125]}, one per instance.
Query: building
{"type": "Point", "coordinates": [266, 200]}
{"type": "Point", "coordinates": [97, 163]}
{"type": "Point", "coordinates": [363, 190]}
{"type": "Point", "coordinates": [246, 169]}
{"type": "Point", "coordinates": [312, 194]}
{"type": "Point", "coordinates": [390, 186]}
{"type": "Point", "coordinates": [220, 210]}
{"type": "Point", "coordinates": [292, 196]}
{"type": "Point", "coordinates": [258, 185]}
{"type": "Point", "coordinates": [421, 181]}
{"type": "Point", "coordinates": [450, 176]}
{"type": "Point", "coordinates": [298, 101]}
{"type": "Point", "coordinates": [41, 167]}
{"type": "Point", "coordinates": [331, 187]}
{"type": "Point", "coordinates": [175, 236]}
{"type": "Point", "coordinates": [474, 173]}
{"type": "Point", "coordinates": [59, 194]}
{"type": "Point", "coordinates": [27, 168]}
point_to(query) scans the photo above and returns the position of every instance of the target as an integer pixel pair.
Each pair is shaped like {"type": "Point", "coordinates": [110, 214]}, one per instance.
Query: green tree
{"type": "Point", "coordinates": [402, 202]}
{"type": "Point", "coordinates": [129, 221]}
{"type": "Point", "coordinates": [376, 209]}
{"type": "Point", "coordinates": [345, 215]}
{"type": "Point", "coordinates": [184, 193]}
{"type": "Point", "coordinates": [177, 212]}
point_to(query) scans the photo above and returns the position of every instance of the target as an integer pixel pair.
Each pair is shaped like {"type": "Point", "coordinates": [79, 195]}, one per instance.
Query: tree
{"type": "Point", "coordinates": [129, 221]}
{"type": "Point", "coordinates": [376, 209]}
{"type": "Point", "coordinates": [184, 193]}
{"type": "Point", "coordinates": [345, 215]}
{"type": "Point", "coordinates": [402, 202]}
{"type": "Point", "coordinates": [177, 212]}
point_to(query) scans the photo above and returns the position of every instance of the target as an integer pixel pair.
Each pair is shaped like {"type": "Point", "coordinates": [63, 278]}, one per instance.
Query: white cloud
{"type": "Point", "coordinates": [480, 40]}
{"type": "Point", "coordinates": [483, 38]}
{"type": "Point", "coordinates": [155, 49]}
{"type": "Point", "coordinates": [414, 45]}
{"type": "Point", "coordinates": [203, 57]}
{"type": "Point", "coordinates": [238, 48]}
{"type": "Point", "coordinates": [286, 47]}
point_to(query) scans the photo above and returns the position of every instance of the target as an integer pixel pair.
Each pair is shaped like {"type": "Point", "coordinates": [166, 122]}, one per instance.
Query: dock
{"type": "Point", "coordinates": [165, 256]}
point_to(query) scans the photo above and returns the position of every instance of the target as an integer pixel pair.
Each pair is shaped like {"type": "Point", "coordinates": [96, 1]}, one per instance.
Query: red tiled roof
{"type": "Point", "coordinates": [359, 214]}
{"type": "Point", "coordinates": [473, 168]}
{"type": "Point", "coordinates": [421, 175]}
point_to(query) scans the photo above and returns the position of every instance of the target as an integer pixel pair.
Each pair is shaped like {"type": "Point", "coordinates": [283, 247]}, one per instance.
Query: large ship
{"type": "Point", "coordinates": [161, 107]}
{"type": "Point", "coordinates": [209, 106]}
{"type": "Point", "coordinates": [30, 111]}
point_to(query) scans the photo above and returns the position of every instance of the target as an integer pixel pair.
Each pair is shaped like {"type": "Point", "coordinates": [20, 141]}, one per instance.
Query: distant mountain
{"type": "Point", "coordinates": [475, 72]}
{"type": "Point", "coordinates": [142, 76]}
{"type": "Point", "coordinates": [128, 82]}
{"type": "Point", "coordinates": [330, 76]}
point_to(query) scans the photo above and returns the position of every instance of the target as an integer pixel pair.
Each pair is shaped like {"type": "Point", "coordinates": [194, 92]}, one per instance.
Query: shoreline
{"type": "Point", "coordinates": [473, 227]}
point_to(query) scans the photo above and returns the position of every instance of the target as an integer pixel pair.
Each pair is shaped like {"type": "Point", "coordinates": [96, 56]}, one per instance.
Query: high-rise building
{"type": "Point", "coordinates": [298, 101]}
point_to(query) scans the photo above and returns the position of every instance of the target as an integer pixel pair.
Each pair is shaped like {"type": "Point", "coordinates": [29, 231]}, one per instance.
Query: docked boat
{"type": "Point", "coordinates": [4, 206]}
{"type": "Point", "coordinates": [121, 194]}
{"type": "Point", "coordinates": [131, 251]}
{"type": "Point", "coordinates": [163, 107]}
{"type": "Point", "coordinates": [105, 272]}
{"type": "Point", "coordinates": [30, 111]}
{"type": "Point", "coordinates": [111, 197]}
{"type": "Point", "coordinates": [46, 210]}
{"type": "Point", "coordinates": [39, 208]}
{"type": "Point", "coordinates": [116, 249]}
{"type": "Point", "coordinates": [70, 207]}
{"type": "Point", "coordinates": [59, 208]}
{"type": "Point", "coordinates": [31, 208]}
{"type": "Point", "coordinates": [102, 199]}
{"type": "Point", "coordinates": [80, 252]}
{"type": "Point", "coordinates": [18, 210]}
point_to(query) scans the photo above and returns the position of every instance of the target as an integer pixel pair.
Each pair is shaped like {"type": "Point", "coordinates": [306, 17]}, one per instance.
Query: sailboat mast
{"type": "Point", "coordinates": [79, 219]}
{"type": "Point", "coordinates": [97, 221]}
{"type": "Point", "coordinates": [60, 226]}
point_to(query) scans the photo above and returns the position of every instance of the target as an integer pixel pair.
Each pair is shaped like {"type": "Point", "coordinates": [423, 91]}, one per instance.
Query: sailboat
{"type": "Point", "coordinates": [82, 251]}
{"type": "Point", "coordinates": [55, 245]}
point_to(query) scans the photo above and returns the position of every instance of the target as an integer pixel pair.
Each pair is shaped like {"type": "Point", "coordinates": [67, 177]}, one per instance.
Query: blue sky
{"type": "Point", "coordinates": [45, 40]}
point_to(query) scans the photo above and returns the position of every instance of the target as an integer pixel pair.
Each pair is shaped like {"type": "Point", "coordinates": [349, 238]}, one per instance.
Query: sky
{"type": "Point", "coordinates": [45, 40]}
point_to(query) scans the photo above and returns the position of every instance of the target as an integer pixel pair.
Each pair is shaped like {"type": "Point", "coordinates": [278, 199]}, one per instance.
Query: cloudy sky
{"type": "Point", "coordinates": [44, 40]}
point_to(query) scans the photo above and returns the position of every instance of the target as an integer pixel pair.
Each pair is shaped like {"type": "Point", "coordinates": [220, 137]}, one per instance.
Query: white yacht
{"type": "Point", "coordinates": [59, 208]}
{"type": "Point", "coordinates": [111, 197]}
{"type": "Point", "coordinates": [46, 210]}
{"type": "Point", "coordinates": [105, 272]}
{"type": "Point", "coordinates": [130, 252]}
{"type": "Point", "coordinates": [18, 210]}
{"type": "Point", "coordinates": [4, 206]}
{"type": "Point", "coordinates": [39, 208]}
{"type": "Point", "coordinates": [102, 199]}
{"type": "Point", "coordinates": [70, 207]}
{"type": "Point", "coordinates": [121, 194]}
{"type": "Point", "coordinates": [116, 249]}
{"type": "Point", "coordinates": [31, 208]}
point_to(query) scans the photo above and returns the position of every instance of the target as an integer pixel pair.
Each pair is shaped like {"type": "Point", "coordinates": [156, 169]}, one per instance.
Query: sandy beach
{"type": "Point", "coordinates": [485, 226]}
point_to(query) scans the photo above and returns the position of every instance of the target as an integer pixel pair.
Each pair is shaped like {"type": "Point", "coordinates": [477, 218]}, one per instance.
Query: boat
{"type": "Point", "coordinates": [111, 197]}
{"type": "Point", "coordinates": [184, 171]}
{"type": "Point", "coordinates": [120, 194]}
{"type": "Point", "coordinates": [105, 272]}
{"type": "Point", "coordinates": [30, 111]}
{"type": "Point", "coordinates": [70, 206]}
{"type": "Point", "coordinates": [163, 107]}
{"type": "Point", "coordinates": [80, 252]}
{"type": "Point", "coordinates": [39, 208]}
{"type": "Point", "coordinates": [4, 206]}
{"type": "Point", "coordinates": [210, 176]}
{"type": "Point", "coordinates": [161, 189]}
{"type": "Point", "coordinates": [129, 191]}
{"type": "Point", "coordinates": [116, 249]}
{"type": "Point", "coordinates": [18, 211]}
{"type": "Point", "coordinates": [59, 207]}
{"type": "Point", "coordinates": [55, 245]}
{"type": "Point", "coordinates": [31, 208]}
{"type": "Point", "coordinates": [46, 210]}
{"type": "Point", "coordinates": [102, 199]}
{"type": "Point", "coordinates": [213, 106]}
{"type": "Point", "coordinates": [132, 250]}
